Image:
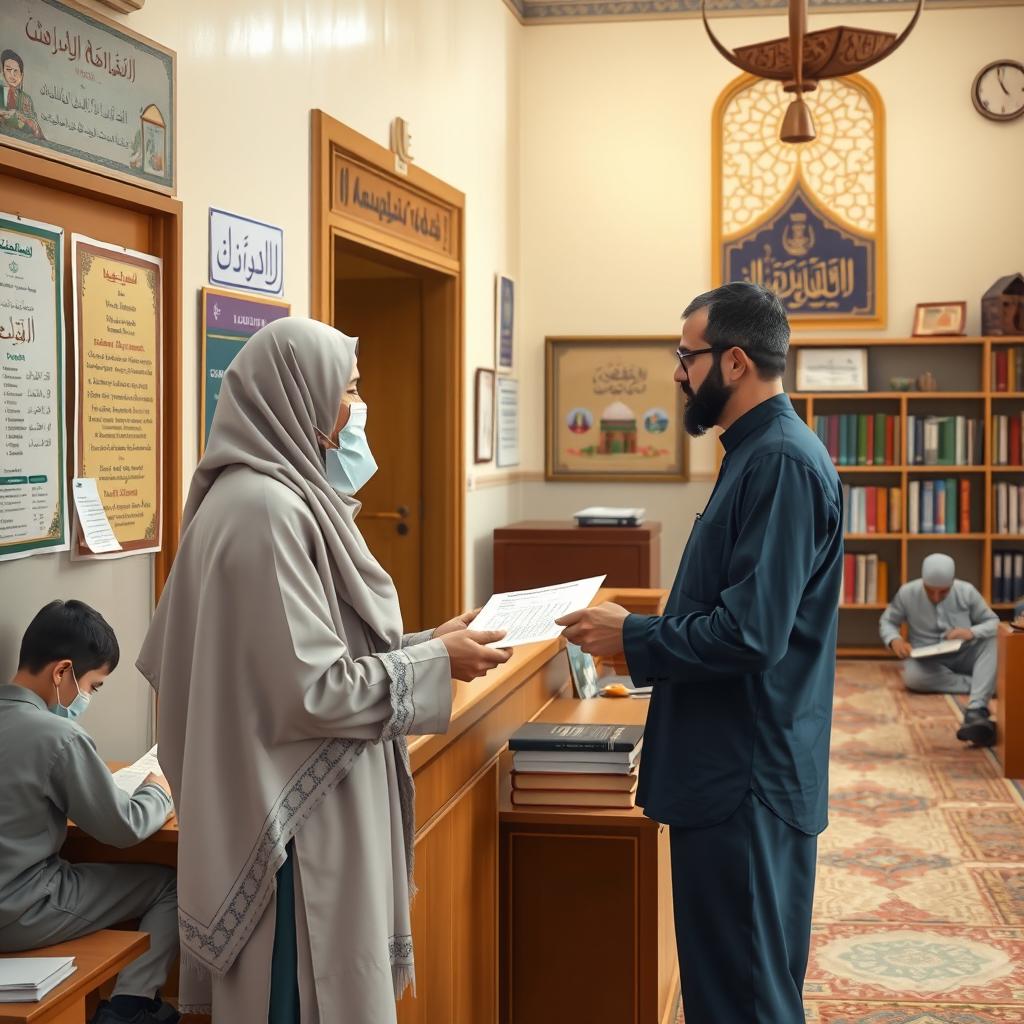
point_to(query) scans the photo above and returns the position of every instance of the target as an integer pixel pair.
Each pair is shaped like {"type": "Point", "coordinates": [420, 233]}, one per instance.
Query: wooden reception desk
{"type": "Point", "coordinates": [1010, 694]}
{"type": "Point", "coordinates": [455, 915]}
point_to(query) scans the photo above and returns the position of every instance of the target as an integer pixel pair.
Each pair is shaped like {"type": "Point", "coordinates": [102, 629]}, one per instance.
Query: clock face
{"type": "Point", "coordinates": [998, 91]}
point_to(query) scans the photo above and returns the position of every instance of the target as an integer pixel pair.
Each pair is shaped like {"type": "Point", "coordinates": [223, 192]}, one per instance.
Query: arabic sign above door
{"type": "Point", "coordinates": [373, 198]}
{"type": "Point", "coordinates": [807, 221]}
{"type": "Point", "coordinates": [81, 89]}
{"type": "Point", "coordinates": [246, 253]}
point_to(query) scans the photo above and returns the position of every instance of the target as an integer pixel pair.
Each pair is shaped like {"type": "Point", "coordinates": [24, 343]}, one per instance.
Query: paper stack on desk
{"type": "Point", "coordinates": [26, 979]}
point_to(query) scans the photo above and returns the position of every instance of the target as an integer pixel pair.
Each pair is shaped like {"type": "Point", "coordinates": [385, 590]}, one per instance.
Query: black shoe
{"type": "Point", "coordinates": [163, 1014]}
{"type": "Point", "coordinates": [978, 728]}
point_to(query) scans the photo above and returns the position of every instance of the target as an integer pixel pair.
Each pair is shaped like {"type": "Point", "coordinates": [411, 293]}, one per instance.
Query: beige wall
{"type": "Point", "coordinates": [616, 179]}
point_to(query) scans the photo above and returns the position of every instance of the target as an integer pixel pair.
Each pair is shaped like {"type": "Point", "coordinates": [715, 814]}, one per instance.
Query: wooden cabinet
{"type": "Point", "coordinates": [1010, 710]}
{"type": "Point", "coordinates": [586, 905]}
{"type": "Point", "coordinates": [541, 553]}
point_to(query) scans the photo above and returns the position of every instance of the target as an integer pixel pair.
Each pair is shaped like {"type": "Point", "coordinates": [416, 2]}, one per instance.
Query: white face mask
{"type": "Point", "coordinates": [77, 706]}
{"type": "Point", "coordinates": [352, 465]}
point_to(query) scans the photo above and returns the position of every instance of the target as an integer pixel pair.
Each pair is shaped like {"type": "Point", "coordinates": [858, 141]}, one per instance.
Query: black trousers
{"type": "Point", "coordinates": [743, 893]}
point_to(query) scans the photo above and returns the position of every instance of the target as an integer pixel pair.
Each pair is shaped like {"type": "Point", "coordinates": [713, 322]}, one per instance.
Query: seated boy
{"type": "Point", "coordinates": [51, 772]}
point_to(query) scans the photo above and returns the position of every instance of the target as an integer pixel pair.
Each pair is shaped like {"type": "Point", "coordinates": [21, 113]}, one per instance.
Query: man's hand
{"type": "Point", "coordinates": [901, 648]}
{"type": "Point", "coordinates": [597, 630]}
{"type": "Point", "coordinates": [454, 625]}
{"type": "Point", "coordinates": [469, 654]}
{"type": "Point", "coordinates": [960, 634]}
{"type": "Point", "coordinates": [153, 779]}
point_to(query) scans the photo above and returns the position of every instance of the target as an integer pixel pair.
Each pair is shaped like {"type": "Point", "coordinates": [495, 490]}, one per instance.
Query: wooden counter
{"type": "Point", "coordinates": [586, 894]}
{"type": "Point", "coordinates": [455, 915]}
{"type": "Point", "coordinates": [1010, 694]}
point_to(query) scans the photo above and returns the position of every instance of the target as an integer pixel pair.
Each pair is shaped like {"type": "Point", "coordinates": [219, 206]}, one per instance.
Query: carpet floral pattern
{"type": "Point", "coordinates": [919, 903]}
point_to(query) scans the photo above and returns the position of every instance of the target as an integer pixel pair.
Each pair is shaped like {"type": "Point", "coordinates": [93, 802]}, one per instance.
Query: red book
{"type": "Point", "coordinates": [871, 440]}
{"type": "Point", "coordinates": [871, 500]}
{"type": "Point", "coordinates": [965, 505]}
{"type": "Point", "coordinates": [1014, 440]}
{"type": "Point", "coordinates": [849, 578]}
{"type": "Point", "coordinates": [890, 440]}
{"type": "Point", "coordinates": [1001, 371]}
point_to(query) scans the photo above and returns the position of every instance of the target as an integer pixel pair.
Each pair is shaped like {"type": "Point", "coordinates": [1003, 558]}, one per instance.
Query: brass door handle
{"type": "Point", "coordinates": [400, 513]}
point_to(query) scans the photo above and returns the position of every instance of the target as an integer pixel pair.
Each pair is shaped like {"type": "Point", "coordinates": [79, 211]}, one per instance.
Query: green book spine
{"type": "Point", "coordinates": [862, 440]}
{"type": "Point", "coordinates": [946, 441]}
{"type": "Point", "coordinates": [951, 507]}
{"type": "Point", "coordinates": [842, 440]}
{"type": "Point", "coordinates": [879, 438]}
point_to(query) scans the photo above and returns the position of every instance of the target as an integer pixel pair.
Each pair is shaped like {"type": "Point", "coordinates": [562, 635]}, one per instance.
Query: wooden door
{"type": "Point", "coordinates": [386, 314]}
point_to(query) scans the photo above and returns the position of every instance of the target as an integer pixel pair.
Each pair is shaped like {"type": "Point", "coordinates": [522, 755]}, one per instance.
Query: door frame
{"type": "Point", "coordinates": [337, 151]}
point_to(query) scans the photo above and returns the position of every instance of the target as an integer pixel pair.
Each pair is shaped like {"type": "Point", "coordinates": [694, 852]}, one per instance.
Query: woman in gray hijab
{"type": "Point", "coordinates": [286, 692]}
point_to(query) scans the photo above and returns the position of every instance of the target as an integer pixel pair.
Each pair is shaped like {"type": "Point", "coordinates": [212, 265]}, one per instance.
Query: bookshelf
{"type": "Point", "coordinates": [964, 369]}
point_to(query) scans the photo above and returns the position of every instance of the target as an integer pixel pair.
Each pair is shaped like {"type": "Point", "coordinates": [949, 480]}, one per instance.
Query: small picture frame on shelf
{"type": "Point", "coordinates": [484, 416]}
{"type": "Point", "coordinates": [935, 319]}
{"type": "Point", "coordinates": [831, 369]}
{"type": "Point", "coordinates": [504, 323]}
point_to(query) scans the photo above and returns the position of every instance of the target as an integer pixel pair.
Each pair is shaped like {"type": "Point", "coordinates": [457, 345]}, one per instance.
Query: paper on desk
{"type": "Point", "coordinates": [942, 647]}
{"type": "Point", "coordinates": [129, 779]}
{"type": "Point", "coordinates": [92, 517]}
{"type": "Point", "coordinates": [528, 616]}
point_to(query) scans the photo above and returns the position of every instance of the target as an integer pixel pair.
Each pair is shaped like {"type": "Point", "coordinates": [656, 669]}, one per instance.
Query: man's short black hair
{"type": "Point", "coordinates": [748, 316]}
{"type": "Point", "coordinates": [11, 55]}
{"type": "Point", "coordinates": [69, 629]}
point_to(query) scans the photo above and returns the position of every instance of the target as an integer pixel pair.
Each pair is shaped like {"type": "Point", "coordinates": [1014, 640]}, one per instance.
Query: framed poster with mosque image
{"type": "Point", "coordinates": [613, 411]}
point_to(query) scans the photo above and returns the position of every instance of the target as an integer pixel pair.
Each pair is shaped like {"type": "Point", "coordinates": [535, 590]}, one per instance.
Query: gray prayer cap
{"type": "Point", "coordinates": [938, 571]}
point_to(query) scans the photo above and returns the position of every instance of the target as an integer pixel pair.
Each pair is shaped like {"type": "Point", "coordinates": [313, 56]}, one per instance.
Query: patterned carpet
{"type": "Point", "coordinates": [919, 906]}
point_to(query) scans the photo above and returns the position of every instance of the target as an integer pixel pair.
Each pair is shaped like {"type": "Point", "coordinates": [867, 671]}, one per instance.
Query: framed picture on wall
{"type": "Point", "coordinates": [484, 416]}
{"type": "Point", "coordinates": [932, 319]}
{"type": "Point", "coordinates": [614, 413]}
{"type": "Point", "coordinates": [831, 369]}
{"type": "Point", "coordinates": [504, 323]}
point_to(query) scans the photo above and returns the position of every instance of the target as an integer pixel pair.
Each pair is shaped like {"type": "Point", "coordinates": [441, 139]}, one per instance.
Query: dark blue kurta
{"type": "Point", "coordinates": [743, 660]}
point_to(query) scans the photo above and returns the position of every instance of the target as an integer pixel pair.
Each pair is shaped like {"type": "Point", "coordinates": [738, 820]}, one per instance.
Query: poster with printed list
{"type": "Point", "coordinates": [118, 298]}
{"type": "Point", "coordinates": [33, 497]}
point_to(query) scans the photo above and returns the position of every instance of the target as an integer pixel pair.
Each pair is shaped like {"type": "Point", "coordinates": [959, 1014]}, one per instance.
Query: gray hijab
{"type": "Point", "coordinates": [287, 382]}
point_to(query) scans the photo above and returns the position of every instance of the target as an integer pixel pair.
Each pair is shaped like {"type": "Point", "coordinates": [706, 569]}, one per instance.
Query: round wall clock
{"type": "Point", "coordinates": [998, 90]}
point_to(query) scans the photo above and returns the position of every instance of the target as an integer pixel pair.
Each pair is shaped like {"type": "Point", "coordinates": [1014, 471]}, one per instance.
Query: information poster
{"type": "Point", "coordinates": [81, 89]}
{"type": "Point", "coordinates": [507, 403]}
{"type": "Point", "coordinates": [228, 322]}
{"type": "Point", "coordinates": [33, 498]}
{"type": "Point", "coordinates": [118, 348]}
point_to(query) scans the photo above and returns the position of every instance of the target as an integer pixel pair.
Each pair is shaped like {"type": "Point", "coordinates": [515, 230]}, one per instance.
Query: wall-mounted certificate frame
{"type": "Point", "coordinates": [831, 369]}
{"type": "Point", "coordinates": [484, 416]}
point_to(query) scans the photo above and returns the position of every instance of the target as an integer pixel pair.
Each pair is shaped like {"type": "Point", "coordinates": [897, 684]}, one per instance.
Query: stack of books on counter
{"type": "Point", "coordinates": [571, 765]}
{"type": "Point", "coordinates": [27, 979]}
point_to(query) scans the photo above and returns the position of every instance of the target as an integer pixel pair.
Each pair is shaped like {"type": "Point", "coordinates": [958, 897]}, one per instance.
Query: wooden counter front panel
{"type": "Point", "coordinates": [455, 914]}
{"type": "Point", "coordinates": [1010, 694]}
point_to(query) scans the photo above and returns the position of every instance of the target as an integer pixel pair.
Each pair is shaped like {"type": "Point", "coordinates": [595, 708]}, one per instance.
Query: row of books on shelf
{"type": "Point", "coordinates": [865, 579]}
{"type": "Point", "coordinates": [872, 509]}
{"type": "Point", "coordinates": [945, 441]}
{"type": "Point", "coordinates": [571, 765]}
{"type": "Point", "coordinates": [859, 439]}
{"type": "Point", "coordinates": [1006, 439]}
{"type": "Point", "coordinates": [939, 506]}
{"type": "Point", "coordinates": [1008, 369]}
{"type": "Point", "coordinates": [1007, 576]}
{"type": "Point", "coordinates": [1009, 500]}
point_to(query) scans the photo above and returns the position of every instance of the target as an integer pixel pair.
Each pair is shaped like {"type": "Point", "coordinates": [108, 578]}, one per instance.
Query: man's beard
{"type": "Point", "coordinates": [704, 406]}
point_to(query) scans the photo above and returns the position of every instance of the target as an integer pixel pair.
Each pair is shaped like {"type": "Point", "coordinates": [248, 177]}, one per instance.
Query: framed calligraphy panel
{"type": "Point", "coordinates": [614, 413]}
{"type": "Point", "coordinates": [807, 221]}
{"type": "Point", "coordinates": [87, 91]}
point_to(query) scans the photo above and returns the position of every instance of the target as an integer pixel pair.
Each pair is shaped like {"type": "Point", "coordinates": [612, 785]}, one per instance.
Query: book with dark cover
{"type": "Point", "coordinates": [576, 737]}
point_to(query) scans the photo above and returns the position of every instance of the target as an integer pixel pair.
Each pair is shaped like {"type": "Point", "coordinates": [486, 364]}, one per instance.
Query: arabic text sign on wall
{"type": "Point", "coordinates": [246, 253]}
{"type": "Point", "coordinates": [373, 198]}
{"type": "Point", "coordinates": [83, 90]}
{"type": "Point", "coordinates": [814, 265]}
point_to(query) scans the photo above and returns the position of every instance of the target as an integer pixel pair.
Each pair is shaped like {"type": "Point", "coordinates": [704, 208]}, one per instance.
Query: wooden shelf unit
{"type": "Point", "coordinates": [903, 550]}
